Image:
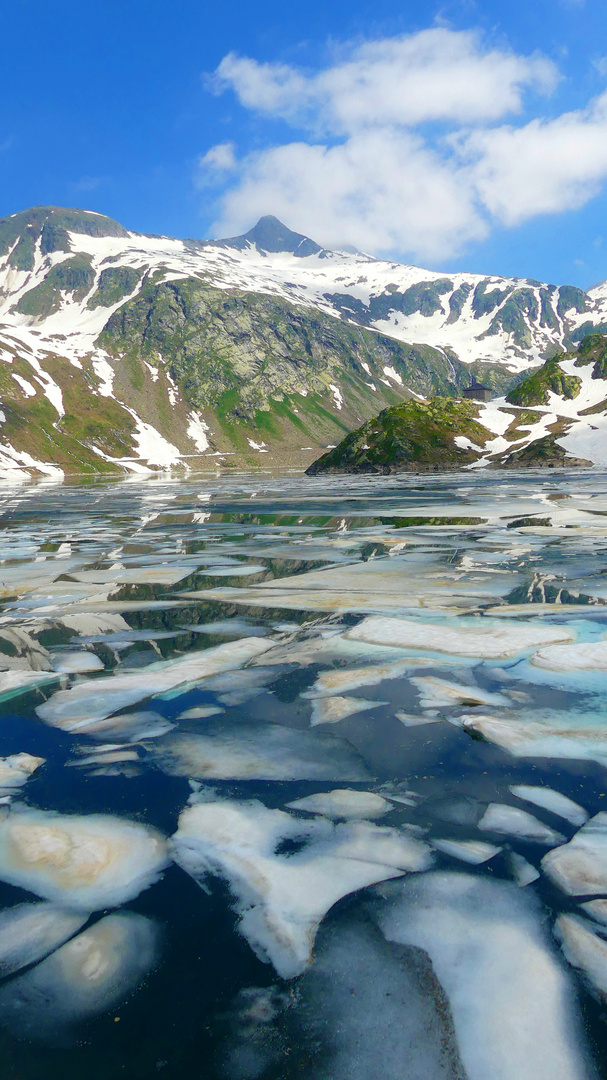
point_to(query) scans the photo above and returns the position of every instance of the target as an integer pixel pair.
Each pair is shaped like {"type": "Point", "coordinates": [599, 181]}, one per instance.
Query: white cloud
{"type": "Point", "coordinates": [437, 74]}
{"type": "Point", "coordinates": [379, 190]}
{"type": "Point", "coordinates": [544, 167]}
{"type": "Point", "coordinates": [368, 173]}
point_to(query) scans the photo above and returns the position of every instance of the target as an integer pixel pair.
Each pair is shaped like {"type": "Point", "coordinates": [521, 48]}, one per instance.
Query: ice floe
{"type": "Point", "coordinates": [76, 662]}
{"type": "Point", "coordinates": [584, 950]}
{"type": "Point", "coordinates": [28, 932]}
{"type": "Point", "coordinates": [523, 738]}
{"type": "Point", "coordinates": [340, 679]}
{"type": "Point", "coordinates": [473, 852]}
{"type": "Point", "coordinates": [258, 752]}
{"type": "Point", "coordinates": [92, 700]}
{"type": "Point", "coordinates": [580, 867]}
{"type": "Point", "coordinates": [85, 862]}
{"type": "Point", "coordinates": [90, 974]}
{"type": "Point", "coordinates": [582, 656]}
{"type": "Point", "coordinates": [437, 693]}
{"type": "Point", "coordinates": [330, 710]}
{"type": "Point", "coordinates": [344, 803]}
{"type": "Point", "coordinates": [512, 821]}
{"type": "Point", "coordinates": [281, 898]}
{"type": "Point", "coordinates": [512, 1003]}
{"type": "Point", "coordinates": [522, 870]}
{"type": "Point", "coordinates": [551, 800]}
{"type": "Point", "coordinates": [488, 641]}
{"type": "Point", "coordinates": [596, 909]}
{"type": "Point", "coordinates": [16, 770]}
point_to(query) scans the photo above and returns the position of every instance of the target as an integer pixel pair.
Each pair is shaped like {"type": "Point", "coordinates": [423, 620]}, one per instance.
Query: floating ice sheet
{"type": "Point", "coordinates": [582, 656]}
{"type": "Point", "coordinates": [584, 950]}
{"type": "Point", "coordinates": [523, 738]}
{"type": "Point", "coordinates": [258, 752]}
{"type": "Point", "coordinates": [281, 899]}
{"type": "Point", "coordinates": [28, 932]}
{"type": "Point", "coordinates": [512, 1002]}
{"type": "Point", "coordinates": [76, 662]}
{"type": "Point", "coordinates": [439, 694]}
{"type": "Point", "coordinates": [473, 852]}
{"type": "Point", "coordinates": [92, 973]}
{"type": "Point", "coordinates": [87, 863]}
{"type": "Point", "coordinates": [96, 699]}
{"type": "Point", "coordinates": [580, 867]}
{"type": "Point", "coordinates": [551, 800]}
{"type": "Point", "coordinates": [344, 803]}
{"type": "Point", "coordinates": [340, 680]}
{"type": "Point", "coordinates": [511, 821]}
{"type": "Point", "coordinates": [16, 770]}
{"type": "Point", "coordinates": [330, 710]}
{"type": "Point", "coordinates": [489, 641]}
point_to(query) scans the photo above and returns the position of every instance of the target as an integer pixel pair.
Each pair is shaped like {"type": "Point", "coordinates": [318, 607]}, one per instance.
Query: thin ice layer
{"type": "Point", "coordinates": [584, 950]}
{"type": "Point", "coordinates": [489, 641]}
{"type": "Point", "coordinates": [512, 1002]}
{"type": "Point", "coordinates": [281, 898]}
{"type": "Point", "coordinates": [580, 867]}
{"type": "Point", "coordinates": [95, 699]}
{"type": "Point", "coordinates": [85, 862]}
{"type": "Point", "coordinates": [344, 803]}
{"type": "Point", "coordinates": [523, 738]}
{"type": "Point", "coordinates": [512, 821]}
{"type": "Point", "coordinates": [28, 932]}
{"type": "Point", "coordinates": [258, 752]}
{"type": "Point", "coordinates": [330, 710]}
{"type": "Point", "coordinates": [551, 800]}
{"type": "Point", "coordinates": [84, 978]}
{"type": "Point", "coordinates": [16, 770]}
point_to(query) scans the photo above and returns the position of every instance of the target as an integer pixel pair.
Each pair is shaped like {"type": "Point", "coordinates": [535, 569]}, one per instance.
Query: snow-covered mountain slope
{"type": "Point", "coordinates": [125, 351]}
{"type": "Point", "coordinates": [557, 416]}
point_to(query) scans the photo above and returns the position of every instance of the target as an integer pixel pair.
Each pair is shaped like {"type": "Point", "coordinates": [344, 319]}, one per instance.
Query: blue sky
{"type": "Point", "coordinates": [462, 135]}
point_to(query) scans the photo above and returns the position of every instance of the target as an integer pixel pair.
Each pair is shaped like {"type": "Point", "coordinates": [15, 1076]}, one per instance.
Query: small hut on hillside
{"type": "Point", "coordinates": [476, 392]}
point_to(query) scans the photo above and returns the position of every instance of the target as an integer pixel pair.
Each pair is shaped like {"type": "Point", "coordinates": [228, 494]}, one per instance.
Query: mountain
{"type": "Point", "coordinates": [121, 351]}
{"type": "Point", "coordinates": [557, 416]}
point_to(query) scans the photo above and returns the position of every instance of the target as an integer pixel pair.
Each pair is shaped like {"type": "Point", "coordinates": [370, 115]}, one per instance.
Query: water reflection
{"type": "Point", "coordinates": [310, 771]}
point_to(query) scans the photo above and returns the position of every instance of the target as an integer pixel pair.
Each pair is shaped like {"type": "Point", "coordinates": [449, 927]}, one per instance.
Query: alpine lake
{"type": "Point", "coordinates": [304, 779]}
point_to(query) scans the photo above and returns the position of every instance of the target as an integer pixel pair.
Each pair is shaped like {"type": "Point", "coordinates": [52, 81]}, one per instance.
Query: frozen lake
{"type": "Point", "coordinates": [304, 778]}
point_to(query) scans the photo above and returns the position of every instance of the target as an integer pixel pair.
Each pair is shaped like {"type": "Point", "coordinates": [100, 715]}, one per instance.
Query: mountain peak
{"type": "Point", "coordinates": [270, 235]}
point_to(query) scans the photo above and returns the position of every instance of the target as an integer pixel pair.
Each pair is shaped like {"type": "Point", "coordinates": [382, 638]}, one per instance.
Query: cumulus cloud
{"type": "Point", "coordinates": [407, 145]}
{"type": "Point", "coordinates": [436, 74]}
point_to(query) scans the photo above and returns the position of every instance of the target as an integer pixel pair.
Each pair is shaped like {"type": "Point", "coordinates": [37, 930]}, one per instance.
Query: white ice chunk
{"type": "Point", "coordinates": [439, 693]}
{"type": "Point", "coordinates": [281, 898]}
{"type": "Point", "coordinates": [596, 909]}
{"type": "Point", "coordinates": [200, 712]}
{"type": "Point", "coordinates": [96, 699]}
{"type": "Point", "coordinates": [511, 821]}
{"type": "Point", "coordinates": [552, 801]}
{"type": "Point", "coordinates": [544, 740]}
{"type": "Point", "coordinates": [512, 1003]}
{"type": "Point", "coordinates": [488, 642]}
{"type": "Point", "coordinates": [73, 662]}
{"type": "Point", "coordinates": [131, 727]}
{"type": "Point", "coordinates": [523, 872]}
{"type": "Point", "coordinates": [343, 803]}
{"type": "Point", "coordinates": [28, 932]}
{"type": "Point", "coordinates": [258, 752]}
{"type": "Point", "coordinates": [583, 656]}
{"type": "Point", "coordinates": [468, 851]}
{"type": "Point", "coordinates": [411, 720]}
{"type": "Point", "coordinates": [340, 679]}
{"type": "Point", "coordinates": [87, 863]}
{"type": "Point", "coordinates": [16, 769]}
{"type": "Point", "coordinates": [580, 867]}
{"type": "Point", "coordinates": [331, 710]}
{"type": "Point", "coordinates": [584, 950]}
{"type": "Point", "coordinates": [89, 975]}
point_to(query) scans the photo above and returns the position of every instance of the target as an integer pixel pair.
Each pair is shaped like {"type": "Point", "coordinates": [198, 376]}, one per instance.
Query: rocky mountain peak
{"type": "Point", "coordinates": [270, 235]}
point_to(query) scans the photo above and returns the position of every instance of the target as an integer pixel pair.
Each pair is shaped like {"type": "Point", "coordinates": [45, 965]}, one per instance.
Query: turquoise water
{"type": "Point", "coordinates": [184, 660]}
